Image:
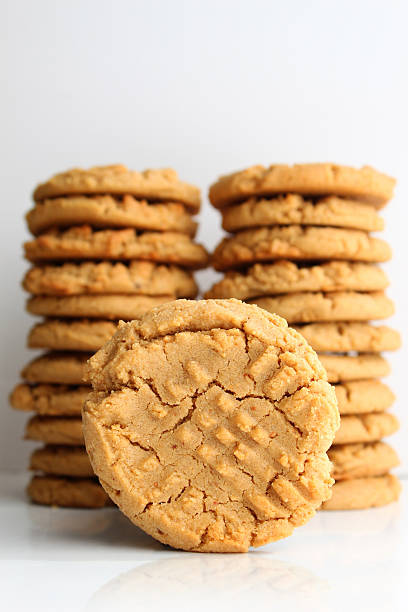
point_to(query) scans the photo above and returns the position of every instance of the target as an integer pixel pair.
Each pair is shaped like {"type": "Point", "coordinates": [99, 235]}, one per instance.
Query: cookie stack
{"type": "Point", "coordinates": [109, 243]}
{"type": "Point", "coordinates": [301, 247]}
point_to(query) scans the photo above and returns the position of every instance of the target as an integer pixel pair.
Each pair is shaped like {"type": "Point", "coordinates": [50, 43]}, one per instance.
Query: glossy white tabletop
{"type": "Point", "coordinates": [60, 560]}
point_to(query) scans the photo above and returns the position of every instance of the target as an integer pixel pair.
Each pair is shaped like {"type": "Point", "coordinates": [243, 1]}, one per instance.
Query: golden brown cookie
{"type": "Point", "coordinates": [209, 425]}
{"type": "Point", "coordinates": [298, 243]}
{"type": "Point", "coordinates": [67, 492]}
{"type": "Point", "coordinates": [62, 461]}
{"type": "Point", "coordinates": [83, 242]}
{"type": "Point", "coordinates": [112, 307]}
{"type": "Point", "coordinates": [293, 209]}
{"type": "Point", "coordinates": [364, 184]}
{"type": "Point", "coordinates": [61, 368]}
{"type": "Point", "coordinates": [291, 277]}
{"type": "Point", "coordinates": [360, 493]}
{"type": "Point", "coordinates": [359, 367]}
{"type": "Point", "coordinates": [91, 278]}
{"type": "Point", "coordinates": [55, 430]}
{"type": "Point", "coordinates": [362, 396]}
{"type": "Point", "coordinates": [365, 427]}
{"type": "Point", "coordinates": [336, 306]}
{"type": "Point", "coordinates": [74, 335]}
{"type": "Point", "coordinates": [345, 337]}
{"type": "Point", "coordinates": [109, 211]}
{"type": "Point", "coordinates": [362, 460]}
{"type": "Point", "coordinates": [50, 400]}
{"type": "Point", "coordinates": [160, 185]}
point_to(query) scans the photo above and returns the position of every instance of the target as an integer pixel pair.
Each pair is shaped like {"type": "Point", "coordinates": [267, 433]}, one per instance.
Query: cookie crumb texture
{"type": "Point", "coordinates": [209, 425]}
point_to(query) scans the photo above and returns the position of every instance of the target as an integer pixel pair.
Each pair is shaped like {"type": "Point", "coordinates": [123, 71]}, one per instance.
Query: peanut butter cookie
{"type": "Point", "coordinates": [366, 427]}
{"type": "Point", "coordinates": [360, 493]}
{"type": "Point", "coordinates": [67, 492]}
{"type": "Point", "coordinates": [362, 460]}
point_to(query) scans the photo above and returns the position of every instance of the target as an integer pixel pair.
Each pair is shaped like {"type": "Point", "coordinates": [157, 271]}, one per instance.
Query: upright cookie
{"type": "Point", "coordinates": [108, 211]}
{"type": "Point", "coordinates": [160, 185]}
{"type": "Point", "coordinates": [293, 209]}
{"type": "Point", "coordinates": [49, 400]}
{"type": "Point", "coordinates": [300, 243]}
{"type": "Point", "coordinates": [67, 492]}
{"type": "Point", "coordinates": [112, 307]}
{"type": "Point", "coordinates": [360, 493]}
{"type": "Point", "coordinates": [336, 306]}
{"type": "Point", "coordinates": [237, 415]}
{"type": "Point", "coordinates": [362, 396]}
{"type": "Point", "coordinates": [106, 278]}
{"type": "Point", "coordinates": [83, 242]}
{"type": "Point", "coordinates": [362, 460]}
{"type": "Point", "coordinates": [366, 427]}
{"type": "Point", "coordinates": [291, 277]}
{"type": "Point", "coordinates": [365, 184]}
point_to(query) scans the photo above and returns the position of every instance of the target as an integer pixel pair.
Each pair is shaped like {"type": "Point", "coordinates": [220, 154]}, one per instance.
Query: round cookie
{"type": "Point", "coordinates": [364, 184]}
{"type": "Point", "coordinates": [361, 396]}
{"type": "Point", "coordinates": [160, 185]}
{"type": "Point", "coordinates": [293, 209]}
{"type": "Point", "coordinates": [341, 368]}
{"type": "Point", "coordinates": [361, 493]}
{"type": "Point", "coordinates": [291, 277]}
{"type": "Point", "coordinates": [62, 461]}
{"type": "Point", "coordinates": [96, 278]}
{"type": "Point", "coordinates": [61, 368]}
{"type": "Point", "coordinates": [336, 306]}
{"type": "Point", "coordinates": [209, 425]}
{"type": "Point", "coordinates": [112, 307]}
{"type": "Point", "coordinates": [67, 492]}
{"type": "Point", "coordinates": [362, 460]}
{"type": "Point", "coordinates": [55, 430]}
{"type": "Point", "coordinates": [50, 400]}
{"type": "Point", "coordinates": [345, 337]}
{"type": "Point", "coordinates": [298, 243]}
{"type": "Point", "coordinates": [74, 335]}
{"type": "Point", "coordinates": [110, 212]}
{"type": "Point", "coordinates": [83, 242]}
{"type": "Point", "coordinates": [365, 427]}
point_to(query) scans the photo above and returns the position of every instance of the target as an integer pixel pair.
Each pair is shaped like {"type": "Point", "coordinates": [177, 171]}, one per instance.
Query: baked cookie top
{"type": "Point", "coordinates": [163, 184]}
{"type": "Point", "coordinates": [365, 184]}
{"type": "Point", "coordinates": [209, 425]}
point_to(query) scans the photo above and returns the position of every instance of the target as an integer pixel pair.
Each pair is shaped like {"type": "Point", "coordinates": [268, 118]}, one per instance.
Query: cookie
{"type": "Point", "coordinates": [298, 243]}
{"type": "Point", "coordinates": [55, 430]}
{"type": "Point", "coordinates": [293, 209]}
{"type": "Point", "coordinates": [123, 244]}
{"type": "Point", "coordinates": [289, 277]}
{"type": "Point", "coordinates": [62, 461]}
{"type": "Point", "coordinates": [50, 400]}
{"type": "Point", "coordinates": [61, 368]}
{"type": "Point", "coordinates": [360, 367]}
{"type": "Point", "coordinates": [336, 306]}
{"type": "Point", "coordinates": [75, 335]}
{"type": "Point", "coordinates": [365, 427]}
{"type": "Point", "coordinates": [108, 211]}
{"type": "Point", "coordinates": [362, 460]}
{"type": "Point", "coordinates": [151, 185]}
{"type": "Point", "coordinates": [360, 493]}
{"type": "Point", "coordinates": [209, 425]}
{"type": "Point", "coordinates": [91, 278]}
{"type": "Point", "coordinates": [344, 337]}
{"type": "Point", "coordinates": [362, 396]}
{"type": "Point", "coordinates": [363, 184]}
{"type": "Point", "coordinates": [67, 492]}
{"type": "Point", "coordinates": [112, 307]}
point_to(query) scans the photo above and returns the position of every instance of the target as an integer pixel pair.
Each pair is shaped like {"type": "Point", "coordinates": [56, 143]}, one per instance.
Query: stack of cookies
{"type": "Point", "coordinates": [109, 244]}
{"type": "Point", "coordinates": [301, 247]}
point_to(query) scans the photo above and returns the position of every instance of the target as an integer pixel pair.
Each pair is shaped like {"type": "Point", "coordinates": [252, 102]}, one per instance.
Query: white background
{"type": "Point", "coordinates": [206, 87]}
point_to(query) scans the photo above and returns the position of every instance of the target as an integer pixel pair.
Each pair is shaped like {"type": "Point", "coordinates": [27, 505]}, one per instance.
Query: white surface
{"type": "Point", "coordinates": [206, 87]}
{"type": "Point", "coordinates": [55, 559]}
